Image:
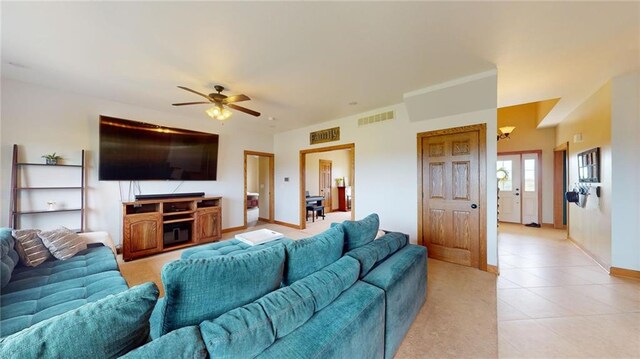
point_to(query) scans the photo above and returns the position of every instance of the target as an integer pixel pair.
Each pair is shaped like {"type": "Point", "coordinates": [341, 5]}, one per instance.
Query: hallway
{"type": "Point", "coordinates": [556, 302]}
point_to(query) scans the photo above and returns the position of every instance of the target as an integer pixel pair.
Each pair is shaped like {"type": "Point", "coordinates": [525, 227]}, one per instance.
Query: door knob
{"type": "Point", "coordinates": [474, 206]}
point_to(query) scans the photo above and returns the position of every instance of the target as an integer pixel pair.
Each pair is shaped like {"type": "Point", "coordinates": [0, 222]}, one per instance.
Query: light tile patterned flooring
{"type": "Point", "coordinates": [555, 302]}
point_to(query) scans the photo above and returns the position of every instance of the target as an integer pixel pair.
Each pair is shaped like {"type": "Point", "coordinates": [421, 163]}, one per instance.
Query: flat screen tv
{"type": "Point", "coordinates": [136, 151]}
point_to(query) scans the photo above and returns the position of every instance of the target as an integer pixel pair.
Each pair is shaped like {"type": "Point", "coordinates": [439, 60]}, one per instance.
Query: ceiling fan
{"type": "Point", "coordinates": [220, 101]}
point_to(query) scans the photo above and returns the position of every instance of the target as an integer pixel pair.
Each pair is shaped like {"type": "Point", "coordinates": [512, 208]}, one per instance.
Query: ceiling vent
{"type": "Point", "coordinates": [379, 117]}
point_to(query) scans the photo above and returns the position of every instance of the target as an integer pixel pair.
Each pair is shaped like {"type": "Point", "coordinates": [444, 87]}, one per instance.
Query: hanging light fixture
{"type": "Point", "coordinates": [219, 113]}
{"type": "Point", "coordinates": [505, 132]}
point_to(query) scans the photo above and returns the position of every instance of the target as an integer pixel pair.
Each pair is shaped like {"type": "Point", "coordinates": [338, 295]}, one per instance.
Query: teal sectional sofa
{"type": "Point", "coordinates": [339, 294]}
{"type": "Point", "coordinates": [30, 295]}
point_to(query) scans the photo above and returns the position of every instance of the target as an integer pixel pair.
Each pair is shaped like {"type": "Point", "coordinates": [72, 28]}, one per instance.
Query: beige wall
{"type": "Point", "coordinates": [252, 174]}
{"type": "Point", "coordinates": [340, 167]}
{"type": "Point", "coordinates": [66, 122]}
{"type": "Point", "coordinates": [625, 147]}
{"type": "Point", "coordinates": [263, 186]}
{"type": "Point", "coordinates": [527, 137]}
{"type": "Point", "coordinates": [591, 226]}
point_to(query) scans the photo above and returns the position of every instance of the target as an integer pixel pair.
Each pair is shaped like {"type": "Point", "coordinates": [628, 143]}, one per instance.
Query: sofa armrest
{"type": "Point", "coordinates": [99, 237]}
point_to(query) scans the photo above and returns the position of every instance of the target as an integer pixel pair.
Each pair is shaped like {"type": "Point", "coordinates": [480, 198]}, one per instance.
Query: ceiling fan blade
{"type": "Point", "coordinates": [196, 92]}
{"type": "Point", "coordinates": [191, 103]}
{"type": "Point", "coordinates": [244, 109]}
{"type": "Point", "coordinates": [236, 98]}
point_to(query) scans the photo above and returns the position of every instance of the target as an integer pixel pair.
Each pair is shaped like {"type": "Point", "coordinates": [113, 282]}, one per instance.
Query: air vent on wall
{"type": "Point", "coordinates": [379, 117]}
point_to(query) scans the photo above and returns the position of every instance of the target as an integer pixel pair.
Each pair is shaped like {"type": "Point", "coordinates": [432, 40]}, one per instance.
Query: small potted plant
{"type": "Point", "coordinates": [52, 159]}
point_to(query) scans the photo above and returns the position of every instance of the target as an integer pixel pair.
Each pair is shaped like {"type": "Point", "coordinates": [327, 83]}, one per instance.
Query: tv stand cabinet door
{"type": "Point", "coordinates": [208, 224]}
{"type": "Point", "coordinates": [142, 235]}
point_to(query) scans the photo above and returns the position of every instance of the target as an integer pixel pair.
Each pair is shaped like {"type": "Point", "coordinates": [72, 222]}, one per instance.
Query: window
{"type": "Point", "coordinates": [506, 183]}
{"type": "Point", "coordinates": [530, 175]}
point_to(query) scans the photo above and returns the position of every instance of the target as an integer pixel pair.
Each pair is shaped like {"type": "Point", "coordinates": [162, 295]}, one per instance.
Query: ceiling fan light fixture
{"type": "Point", "coordinates": [219, 113]}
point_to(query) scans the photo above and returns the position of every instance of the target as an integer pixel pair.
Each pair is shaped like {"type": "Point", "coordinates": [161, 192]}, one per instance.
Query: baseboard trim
{"type": "Point", "coordinates": [548, 225]}
{"type": "Point", "coordinates": [233, 229]}
{"type": "Point", "coordinates": [290, 225]}
{"type": "Point", "coordinates": [265, 220]}
{"type": "Point", "coordinates": [493, 269]}
{"type": "Point", "coordinates": [623, 272]}
{"type": "Point", "coordinates": [597, 259]}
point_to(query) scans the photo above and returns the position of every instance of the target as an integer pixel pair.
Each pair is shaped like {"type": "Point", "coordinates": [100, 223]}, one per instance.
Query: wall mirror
{"type": "Point", "coordinates": [589, 166]}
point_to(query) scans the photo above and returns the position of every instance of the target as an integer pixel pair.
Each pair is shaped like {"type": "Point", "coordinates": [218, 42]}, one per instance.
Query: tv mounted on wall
{"type": "Point", "coordinates": [136, 151]}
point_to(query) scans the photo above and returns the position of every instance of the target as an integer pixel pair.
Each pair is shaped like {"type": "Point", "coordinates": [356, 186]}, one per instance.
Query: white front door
{"type": "Point", "coordinates": [530, 165]}
{"type": "Point", "coordinates": [509, 210]}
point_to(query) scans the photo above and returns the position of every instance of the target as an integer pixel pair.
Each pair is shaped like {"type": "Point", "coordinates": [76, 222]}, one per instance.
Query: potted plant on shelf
{"type": "Point", "coordinates": [52, 159]}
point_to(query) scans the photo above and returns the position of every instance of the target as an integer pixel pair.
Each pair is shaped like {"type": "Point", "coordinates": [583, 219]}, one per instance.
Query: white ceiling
{"type": "Point", "coordinates": [303, 63]}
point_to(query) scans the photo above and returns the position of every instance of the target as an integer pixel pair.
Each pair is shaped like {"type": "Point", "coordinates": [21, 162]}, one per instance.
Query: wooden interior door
{"type": "Point", "coordinates": [325, 183]}
{"type": "Point", "coordinates": [450, 197]}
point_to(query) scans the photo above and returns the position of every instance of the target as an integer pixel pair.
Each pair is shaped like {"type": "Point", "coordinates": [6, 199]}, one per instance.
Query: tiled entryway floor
{"type": "Point", "coordinates": [556, 302]}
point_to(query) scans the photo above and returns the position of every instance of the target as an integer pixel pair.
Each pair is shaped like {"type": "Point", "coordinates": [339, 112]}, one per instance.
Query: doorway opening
{"type": "Point", "coordinates": [560, 186]}
{"type": "Point", "coordinates": [520, 187]}
{"type": "Point", "coordinates": [452, 215]}
{"type": "Point", "coordinates": [327, 185]}
{"type": "Point", "coordinates": [258, 188]}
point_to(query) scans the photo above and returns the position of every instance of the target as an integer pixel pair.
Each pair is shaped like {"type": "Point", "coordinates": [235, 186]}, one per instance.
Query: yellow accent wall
{"type": "Point", "coordinates": [590, 227]}
{"type": "Point", "coordinates": [527, 137]}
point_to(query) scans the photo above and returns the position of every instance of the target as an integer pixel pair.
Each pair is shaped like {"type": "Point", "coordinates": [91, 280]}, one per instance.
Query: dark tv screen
{"type": "Point", "coordinates": [136, 151]}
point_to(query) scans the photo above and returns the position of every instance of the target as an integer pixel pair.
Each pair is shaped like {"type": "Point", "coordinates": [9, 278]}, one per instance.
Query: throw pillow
{"type": "Point", "coordinates": [62, 242]}
{"type": "Point", "coordinates": [30, 248]}
{"type": "Point", "coordinates": [107, 328]}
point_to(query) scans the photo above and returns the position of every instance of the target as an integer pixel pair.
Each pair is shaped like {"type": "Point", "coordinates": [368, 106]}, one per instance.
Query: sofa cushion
{"type": "Point", "coordinates": [359, 233]}
{"type": "Point", "coordinates": [107, 328]}
{"type": "Point", "coordinates": [308, 255]}
{"type": "Point", "coordinates": [247, 331]}
{"type": "Point", "coordinates": [30, 248]}
{"type": "Point", "coordinates": [183, 343]}
{"type": "Point", "coordinates": [227, 248]}
{"type": "Point", "coordinates": [8, 256]}
{"type": "Point", "coordinates": [350, 327]}
{"type": "Point", "coordinates": [62, 242]}
{"type": "Point", "coordinates": [241, 333]}
{"type": "Point", "coordinates": [203, 289]}
{"type": "Point", "coordinates": [22, 309]}
{"type": "Point", "coordinates": [403, 277]}
{"type": "Point", "coordinates": [95, 259]}
{"type": "Point", "coordinates": [377, 251]}
{"type": "Point", "coordinates": [36, 294]}
{"type": "Point", "coordinates": [326, 285]}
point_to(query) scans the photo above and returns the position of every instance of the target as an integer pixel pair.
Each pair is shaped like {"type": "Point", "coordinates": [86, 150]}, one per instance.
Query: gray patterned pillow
{"type": "Point", "coordinates": [29, 246]}
{"type": "Point", "coordinates": [62, 242]}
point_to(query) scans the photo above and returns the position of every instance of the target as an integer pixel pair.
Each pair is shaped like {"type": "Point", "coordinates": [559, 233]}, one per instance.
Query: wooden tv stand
{"type": "Point", "coordinates": [144, 223]}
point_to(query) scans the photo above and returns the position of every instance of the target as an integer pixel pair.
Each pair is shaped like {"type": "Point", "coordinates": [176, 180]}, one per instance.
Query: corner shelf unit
{"type": "Point", "coordinates": [18, 191]}
{"type": "Point", "coordinates": [160, 225]}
